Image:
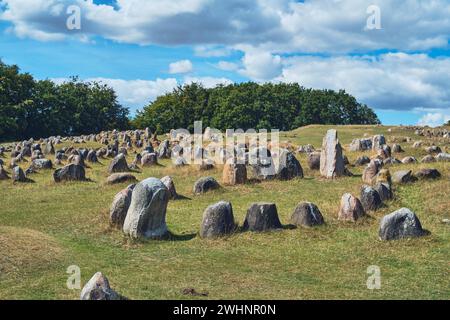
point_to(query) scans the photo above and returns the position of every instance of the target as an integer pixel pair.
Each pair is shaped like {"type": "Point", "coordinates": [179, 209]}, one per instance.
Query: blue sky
{"type": "Point", "coordinates": [144, 48]}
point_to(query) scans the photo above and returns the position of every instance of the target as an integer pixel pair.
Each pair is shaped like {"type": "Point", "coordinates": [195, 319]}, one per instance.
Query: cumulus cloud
{"type": "Point", "coordinates": [182, 66]}
{"type": "Point", "coordinates": [215, 26]}
{"type": "Point", "coordinates": [435, 119]}
{"type": "Point", "coordinates": [389, 81]}
{"type": "Point", "coordinates": [227, 66]}
{"type": "Point", "coordinates": [260, 65]}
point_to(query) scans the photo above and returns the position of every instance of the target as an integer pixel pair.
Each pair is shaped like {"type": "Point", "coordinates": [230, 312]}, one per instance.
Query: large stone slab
{"type": "Point", "coordinates": [331, 159]}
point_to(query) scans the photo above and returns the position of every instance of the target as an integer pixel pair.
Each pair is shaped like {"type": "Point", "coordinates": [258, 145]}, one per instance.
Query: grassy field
{"type": "Point", "coordinates": [46, 227]}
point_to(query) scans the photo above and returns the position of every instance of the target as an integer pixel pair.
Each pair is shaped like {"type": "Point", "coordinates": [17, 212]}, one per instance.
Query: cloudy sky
{"type": "Point", "coordinates": [144, 48]}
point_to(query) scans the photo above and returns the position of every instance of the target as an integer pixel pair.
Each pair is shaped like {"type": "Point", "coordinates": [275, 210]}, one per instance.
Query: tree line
{"type": "Point", "coordinates": [31, 108]}
{"type": "Point", "coordinates": [284, 106]}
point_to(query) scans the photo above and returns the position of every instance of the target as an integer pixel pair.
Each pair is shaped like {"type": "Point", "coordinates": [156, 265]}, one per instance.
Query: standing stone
{"type": "Point", "coordinates": [146, 217]}
{"type": "Point", "coordinates": [370, 198]}
{"type": "Point", "coordinates": [98, 288]}
{"type": "Point", "coordinates": [371, 171]}
{"type": "Point", "coordinates": [149, 159]}
{"type": "Point", "coordinates": [331, 160]}
{"type": "Point", "coordinates": [400, 224]}
{"type": "Point", "coordinates": [262, 217]}
{"type": "Point", "coordinates": [204, 185]}
{"type": "Point", "coordinates": [351, 208]}
{"type": "Point", "coordinates": [118, 164]}
{"type": "Point", "coordinates": [234, 173]}
{"type": "Point", "coordinates": [164, 150]}
{"type": "Point", "coordinates": [384, 191]}
{"type": "Point", "coordinates": [307, 214]}
{"type": "Point", "coordinates": [39, 164]}
{"type": "Point", "coordinates": [218, 220]}
{"type": "Point", "coordinates": [314, 160]}
{"type": "Point", "coordinates": [120, 177]}
{"type": "Point", "coordinates": [289, 166]}
{"type": "Point", "coordinates": [71, 172]}
{"type": "Point", "coordinates": [3, 174]}
{"type": "Point", "coordinates": [120, 206]}
{"type": "Point", "coordinates": [170, 185]}
{"type": "Point", "coordinates": [428, 174]}
{"type": "Point", "coordinates": [384, 176]}
{"type": "Point", "coordinates": [92, 156]}
{"type": "Point", "coordinates": [378, 142]}
{"type": "Point", "coordinates": [18, 175]}
{"type": "Point", "coordinates": [403, 176]}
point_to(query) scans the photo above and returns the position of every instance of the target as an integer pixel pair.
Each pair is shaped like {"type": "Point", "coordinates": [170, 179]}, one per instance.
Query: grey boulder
{"type": "Point", "coordinates": [262, 217]}
{"type": "Point", "coordinates": [205, 184]}
{"type": "Point", "coordinates": [307, 214]}
{"type": "Point", "coordinates": [218, 220]}
{"type": "Point", "coordinates": [400, 224]}
{"type": "Point", "coordinates": [146, 216]}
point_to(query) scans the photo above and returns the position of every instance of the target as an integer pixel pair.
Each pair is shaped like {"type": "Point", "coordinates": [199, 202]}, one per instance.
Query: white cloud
{"type": "Point", "coordinates": [182, 66]}
{"type": "Point", "coordinates": [435, 119]}
{"type": "Point", "coordinates": [260, 66]}
{"type": "Point", "coordinates": [135, 93]}
{"type": "Point", "coordinates": [227, 66]}
{"type": "Point", "coordinates": [389, 81]}
{"type": "Point", "coordinates": [215, 26]}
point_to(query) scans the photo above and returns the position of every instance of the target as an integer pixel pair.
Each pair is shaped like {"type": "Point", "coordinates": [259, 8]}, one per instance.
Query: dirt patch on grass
{"type": "Point", "coordinates": [26, 249]}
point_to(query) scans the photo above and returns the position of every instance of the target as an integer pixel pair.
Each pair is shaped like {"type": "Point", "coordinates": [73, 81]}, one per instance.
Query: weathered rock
{"type": "Point", "coordinates": [390, 160]}
{"type": "Point", "coordinates": [3, 174]}
{"type": "Point", "coordinates": [18, 175]}
{"type": "Point", "coordinates": [384, 152]}
{"type": "Point", "coordinates": [289, 166]}
{"type": "Point", "coordinates": [205, 184]}
{"type": "Point", "coordinates": [331, 160]}
{"type": "Point", "coordinates": [234, 173]}
{"type": "Point", "coordinates": [92, 156]}
{"type": "Point", "coordinates": [118, 164]}
{"type": "Point", "coordinates": [428, 174]}
{"type": "Point", "coordinates": [403, 176]}
{"type": "Point", "coordinates": [371, 171]}
{"type": "Point", "coordinates": [164, 150]}
{"type": "Point", "coordinates": [370, 199]}
{"type": "Point", "coordinates": [98, 288]}
{"type": "Point", "coordinates": [396, 148]}
{"type": "Point", "coordinates": [307, 214]}
{"type": "Point", "coordinates": [351, 208]}
{"type": "Point", "coordinates": [149, 159]}
{"type": "Point", "coordinates": [120, 177]}
{"type": "Point", "coordinates": [262, 163]}
{"type": "Point", "coordinates": [119, 207]}
{"type": "Point", "coordinates": [360, 145]}
{"type": "Point", "coordinates": [384, 191]}
{"type": "Point", "coordinates": [70, 172]}
{"type": "Point", "coordinates": [428, 159]}
{"type": "Point", "coordinates": [384, 176]}
{"type": "Point", "coordinates": [433, 149]}
{"type": "Point", "coordinates": [170, 185]}
{"type": "Point", "coordinates": [218, 220]}
{"type": "Point", "coordinates": [39, 164]}
{"type": "Point", "coordinates": [400, 224]}
{"type": "Point", "coordinates": [262, 217]}
{"type": "Point", "coordinates": [314, 160]}
{"type": "Point", "coordinates": [443, 157]}
{"type": "Point", "coordinates": [378, 141]}
{"type": "Point", "coordinates": [362, 161]}
{"type": "Point", "coordinates": [306, 149]}
{"type": "Point", "coordinates": [180, 162]}
{"type": "Point", "coordinates": [146, 216]}
{"type": "Point", "coordinates": [407, 160]}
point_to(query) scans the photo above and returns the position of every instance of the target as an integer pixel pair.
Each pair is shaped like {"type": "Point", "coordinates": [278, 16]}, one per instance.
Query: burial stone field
{"type": "Point", "coordinates": [305, 220]}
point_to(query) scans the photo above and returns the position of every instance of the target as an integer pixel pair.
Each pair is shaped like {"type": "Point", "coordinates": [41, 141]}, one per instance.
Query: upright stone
{"type": "Point", "coordinates": [170, 185]}
{"type": "Point", "coordinates": [218, 220]}
{"type": "Point", "coordinates": [120, 206]}
{"type": "Point", "coordinates": [262, 217]}
{"type": "Point", "coordinates": [351, 208]}
{"type": "Point", "coordinates": [307, 214]}
{"type": "Point", "coordinates": [234, 173]}
{"type": "Point", "coordinates": [118, 164]}
{"type": "Point", "coordinates": [331, 160]}
{"type": "Point", "coordinates": [400, 224]}
{"type": "Point", "coordinates": [146, 217]}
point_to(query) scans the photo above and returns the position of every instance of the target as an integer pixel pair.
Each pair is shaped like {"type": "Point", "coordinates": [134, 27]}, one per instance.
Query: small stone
{"type": "Point", "coordinates": [400, 224]}
{"type": "Point", "coordinates": [205, 184]}
{"type": "Point", "coordinates": [403, 176]}
{"type": "Point", "coordinates": [370, 199]}
{"type": "Point", "coordinates": [351, 208]}
{"type": "Point", "coordinates": [262, 217]}
{"type": "Point", "coordinates": [218, 220]}
{"type": "Point", "coordinates": [70, 172]}
{"type": "Point", "coordinates": [428, 174]}
{"type": "Point", "coordinates": [120, 177]}
{"type": "Point", "coordinates": [98, 288]}
{"type": "Point", "coordinates": [307, 214]}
